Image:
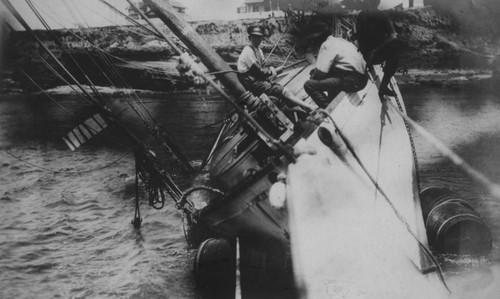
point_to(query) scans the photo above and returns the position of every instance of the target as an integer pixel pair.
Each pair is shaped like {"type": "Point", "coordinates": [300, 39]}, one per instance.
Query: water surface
{"type": "Point", "coordinates": [67, 234]}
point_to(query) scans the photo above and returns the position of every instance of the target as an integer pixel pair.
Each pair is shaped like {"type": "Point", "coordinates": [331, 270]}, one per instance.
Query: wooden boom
{"type": "Point", "coordinates": [197, 44]}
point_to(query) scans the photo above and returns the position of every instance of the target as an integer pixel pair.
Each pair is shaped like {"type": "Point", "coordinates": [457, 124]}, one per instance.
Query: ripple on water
{"type": "Point", "coordinates": [32, 268]}
{"type": "Point", "coordinates": [7, 198]}
{"type": "Point", "coordinates": [88, 248]}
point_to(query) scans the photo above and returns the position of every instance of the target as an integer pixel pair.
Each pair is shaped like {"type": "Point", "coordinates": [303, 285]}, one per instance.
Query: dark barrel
{"type": "Point", "coordinates": [452, 225]}
{"type": "Point", "coordinates": [215, 269]}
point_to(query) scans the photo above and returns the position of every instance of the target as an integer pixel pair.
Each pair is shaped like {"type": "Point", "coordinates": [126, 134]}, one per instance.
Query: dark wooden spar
{"type": "Point", "coordinates": [197, 45]}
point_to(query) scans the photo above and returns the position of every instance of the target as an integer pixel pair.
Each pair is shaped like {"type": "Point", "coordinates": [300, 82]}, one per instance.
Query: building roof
{"type": "Point", "coordinates": [253, 1]}
{"type": "Point", "coordinates": [177, 4]}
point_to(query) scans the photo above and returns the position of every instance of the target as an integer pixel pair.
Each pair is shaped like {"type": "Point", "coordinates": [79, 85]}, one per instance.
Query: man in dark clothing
{"type": "Point", "coordinates": [378, 42]}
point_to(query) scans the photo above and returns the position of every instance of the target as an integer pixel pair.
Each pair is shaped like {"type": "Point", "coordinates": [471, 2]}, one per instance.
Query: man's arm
{"type": "Point", "coordinates": [260, 73]}
{"type": "Point", "coordinates": [390, 36]}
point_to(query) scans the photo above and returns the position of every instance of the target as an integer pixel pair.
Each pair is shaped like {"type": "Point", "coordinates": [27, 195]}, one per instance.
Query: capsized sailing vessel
{"type": "Point", "coordinates": [348, 181]}
{"type": "Point", "coordinates": [294, 206]}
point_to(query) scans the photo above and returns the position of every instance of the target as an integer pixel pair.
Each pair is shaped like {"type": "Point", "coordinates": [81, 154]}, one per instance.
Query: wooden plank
{"type": "Point", "coordinates": [73, 140]}
{"type": "Point", "coordinates": [93, 126]}
{"type": "Point", "coordinates": [69, 144]}
{"type": "Point", "coordinates": [85, 131]}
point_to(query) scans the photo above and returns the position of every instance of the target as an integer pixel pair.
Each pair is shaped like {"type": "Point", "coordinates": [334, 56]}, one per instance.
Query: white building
{"type": "Point", "coordinates": [413, 3]}
{"type": "Point", "coordinates": [400, 4]}
{"type": "Point", "coordinates": [181, 9]}
{"type": "Point", "coordinates": [259, 9]}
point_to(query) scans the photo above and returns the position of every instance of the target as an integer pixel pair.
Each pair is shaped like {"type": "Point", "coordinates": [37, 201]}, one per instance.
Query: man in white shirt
{"type": "Point", "coordinates": [255, 77]}
{"type": "Point", "coordinates": [339, 67]}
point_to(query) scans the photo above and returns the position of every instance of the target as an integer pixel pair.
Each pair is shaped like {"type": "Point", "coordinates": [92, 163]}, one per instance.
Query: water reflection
{"type": "Point", "coordinates": [465, 119]}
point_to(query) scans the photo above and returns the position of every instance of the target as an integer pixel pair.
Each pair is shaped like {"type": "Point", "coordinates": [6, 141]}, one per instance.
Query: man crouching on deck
{"type": "Point", "coordinates": [255, 77]}
{"type": "Point", "coordinates": [339, 67]}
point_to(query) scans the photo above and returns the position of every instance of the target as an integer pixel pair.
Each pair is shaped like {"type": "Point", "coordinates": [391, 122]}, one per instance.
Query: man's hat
{"type": "Point", "coordinates": [255, 30]}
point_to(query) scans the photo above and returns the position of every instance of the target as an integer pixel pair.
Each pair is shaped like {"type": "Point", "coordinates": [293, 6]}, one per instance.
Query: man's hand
{"type": "Point", "coordinates": [269, 72]}
{"type": "Point", "coordinates": [312, 72]}
{"type": "Point", "coordinates": [310, 58]}
{"type": "Point", "coordinates": [274, 73]}
{"type": "Point", "coordinates": [317, 116]}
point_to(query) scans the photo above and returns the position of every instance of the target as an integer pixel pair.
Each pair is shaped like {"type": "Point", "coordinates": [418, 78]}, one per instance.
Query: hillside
{"type": "Point", "coordinates": [431, 41]}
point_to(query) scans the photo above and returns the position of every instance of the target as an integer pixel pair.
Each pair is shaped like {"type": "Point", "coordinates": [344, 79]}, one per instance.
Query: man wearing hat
{"type": "Point", "coordinates": [255, 77]}
{"type": "Point", "coordinates": [339, 66]}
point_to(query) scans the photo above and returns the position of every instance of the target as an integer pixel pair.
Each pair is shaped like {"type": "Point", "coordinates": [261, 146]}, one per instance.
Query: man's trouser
{"type": "Point", "coordinates": [258, 87]}
{"type": "Point", "coordinates": [333, 85]}
{"type": "Point", "coordinates": [390, 54]}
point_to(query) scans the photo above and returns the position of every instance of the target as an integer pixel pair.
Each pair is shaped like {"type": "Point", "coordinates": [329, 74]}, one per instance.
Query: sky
{"type": "Point", "coordinates": [71, 13]}
{"type": "Point", "coordinates": [212, 9]}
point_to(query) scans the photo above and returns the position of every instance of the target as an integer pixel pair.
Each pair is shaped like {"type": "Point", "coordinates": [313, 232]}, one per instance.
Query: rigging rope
{"type": "Point", "coordinates": [201, 128]}
{"type": "Point", "coordinates": [491, 187]}
{"type": "Point", "coordinates": [28, 28]}
{"type": "Point", "coordinates": [157, 131]}
{"type": "Point", "coordinates": [89, 128]}
{"type": "Point", "coordinates": [60, 44]}
{"type": "Point", "coordinates": [107, 53]}
{"type": "Point", "coordinates": [136, 222]}
{"type": "Point", "coordinates": [187, 60]}
{"type": "Point", "coordinates": [387, 199]}
{"type": "Point", "coordinates": [47, 94]}
{"type": "Point", "coordinates": [412, 144]}
{"type": "Point", "coordinates": [171, 43]}
{"type": "Point", "coordinates": [145, 115]}
{"type": "Point", "coordinates": [155, 181]}
{"type": "Point", "coordinates": [141, 110]}
{"type": "Point", "coordinates": [106, 113]}
{"type": "Point", "coordinates": [127, 17]}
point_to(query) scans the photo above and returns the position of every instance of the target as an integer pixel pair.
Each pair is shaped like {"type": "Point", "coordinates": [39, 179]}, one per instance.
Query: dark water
{"type": "Point", "coordinates": [68, 234]}
{"type": "Point", "coordinates": [465, 119]}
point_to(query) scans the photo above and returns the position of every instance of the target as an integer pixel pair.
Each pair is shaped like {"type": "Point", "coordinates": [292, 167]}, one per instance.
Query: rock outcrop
{"type": "Point", "coordinates": [113, 55]}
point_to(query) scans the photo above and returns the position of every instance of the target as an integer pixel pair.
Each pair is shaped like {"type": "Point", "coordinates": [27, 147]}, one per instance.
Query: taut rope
{"type": "Point", "coordinates": [387, 199]}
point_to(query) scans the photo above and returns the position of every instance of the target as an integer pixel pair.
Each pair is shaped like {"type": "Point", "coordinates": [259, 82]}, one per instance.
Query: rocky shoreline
{"type": "Point", "coordinates": [433, 54]}
{"type": "Point", "coordinates": [443, 77]}
{"type": "Point", "coordinates": [447, 78]}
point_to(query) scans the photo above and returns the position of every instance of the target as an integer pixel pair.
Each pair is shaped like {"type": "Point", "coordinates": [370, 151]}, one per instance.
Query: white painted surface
{"type": "Point", "coordinates": [347, 241]}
